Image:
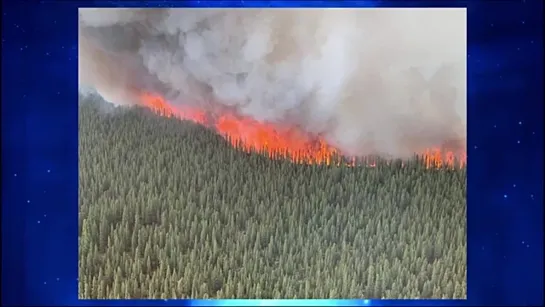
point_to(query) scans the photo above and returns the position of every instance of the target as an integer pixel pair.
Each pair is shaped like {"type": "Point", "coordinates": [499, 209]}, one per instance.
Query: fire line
{"type": "Point", "coordinates": [289, 144]}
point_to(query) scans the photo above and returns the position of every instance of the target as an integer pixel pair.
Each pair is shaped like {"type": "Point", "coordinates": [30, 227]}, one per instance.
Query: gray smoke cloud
{"type": "Point", "coordinates": [370, 81]}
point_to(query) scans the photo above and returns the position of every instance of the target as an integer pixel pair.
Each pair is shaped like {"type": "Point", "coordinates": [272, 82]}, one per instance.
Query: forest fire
{"type": "Point", "coordinates": [289, 144]}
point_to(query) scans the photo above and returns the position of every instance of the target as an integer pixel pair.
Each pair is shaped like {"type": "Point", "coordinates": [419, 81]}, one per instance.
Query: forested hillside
{"type": "Point", "coordinates": [168, 209]}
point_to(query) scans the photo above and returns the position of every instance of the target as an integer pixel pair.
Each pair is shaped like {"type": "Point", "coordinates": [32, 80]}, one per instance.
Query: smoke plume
{"type": "Point", "coordinates": [369, 81]}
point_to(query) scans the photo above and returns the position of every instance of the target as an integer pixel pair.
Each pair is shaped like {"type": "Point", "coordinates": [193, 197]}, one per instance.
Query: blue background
{"type": "Point", "coordinates": [40, 156]}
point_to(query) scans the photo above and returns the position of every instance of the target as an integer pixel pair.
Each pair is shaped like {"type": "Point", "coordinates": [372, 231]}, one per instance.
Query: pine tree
{"type": "Point", "coordinates": [168, 208]}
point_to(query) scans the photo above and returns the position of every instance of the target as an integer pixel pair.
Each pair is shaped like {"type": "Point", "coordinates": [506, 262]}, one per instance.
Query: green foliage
{"type": "Point", "coordinates": [169, 210]}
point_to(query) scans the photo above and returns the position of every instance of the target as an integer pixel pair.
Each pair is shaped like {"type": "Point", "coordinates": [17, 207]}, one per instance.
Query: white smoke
{"type": "Point", "coordinates": [371, 81]}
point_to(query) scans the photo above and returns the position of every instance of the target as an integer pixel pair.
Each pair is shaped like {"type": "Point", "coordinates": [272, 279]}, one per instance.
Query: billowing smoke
{"type": "Point", "coordinates": [370, 81]}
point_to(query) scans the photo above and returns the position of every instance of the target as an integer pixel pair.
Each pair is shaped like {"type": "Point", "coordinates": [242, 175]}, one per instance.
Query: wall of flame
{"type": "Point", "coordinates": [288, 143]}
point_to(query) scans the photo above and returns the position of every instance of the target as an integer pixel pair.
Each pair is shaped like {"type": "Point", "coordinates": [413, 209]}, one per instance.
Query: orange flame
{"type": "Point", "coordinates": [292, 144]}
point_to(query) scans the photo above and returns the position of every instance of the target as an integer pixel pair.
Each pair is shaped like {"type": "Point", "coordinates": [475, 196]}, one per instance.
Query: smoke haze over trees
{"type": "Point", "coordinates": [370, 81]}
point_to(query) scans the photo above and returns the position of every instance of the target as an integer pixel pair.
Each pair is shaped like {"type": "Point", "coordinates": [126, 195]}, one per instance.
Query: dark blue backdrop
{"type": "Point", "coordinates": [40, 160]}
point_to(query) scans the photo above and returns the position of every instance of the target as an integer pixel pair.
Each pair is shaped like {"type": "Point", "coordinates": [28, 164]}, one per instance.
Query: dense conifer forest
{"type": "Point", "coordinates": [168, 209]}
